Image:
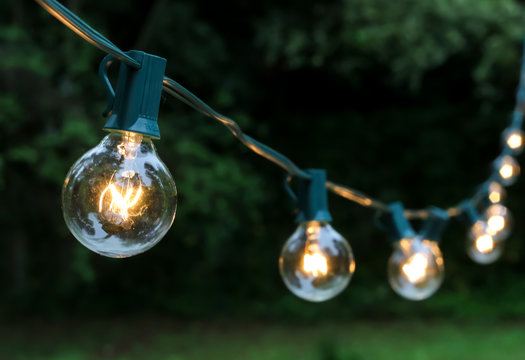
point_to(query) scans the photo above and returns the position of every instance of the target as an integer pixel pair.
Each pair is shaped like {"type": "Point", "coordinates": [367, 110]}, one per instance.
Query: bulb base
{"type": "Point", "coordinates": [134, 105]}
{"type": "Point", "coordinates": [312, 197]}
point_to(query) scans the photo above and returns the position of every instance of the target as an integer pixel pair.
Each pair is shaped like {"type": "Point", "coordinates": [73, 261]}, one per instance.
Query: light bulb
{"type": "Point", "coordinates": [416, 269]}
{"type": "Point", "coordinates": [508, 169]}
{"type": "Point", "coordinates": [496, 192]}
{"type": "Point", "coordinates": [119, 199]}
{"type": "Point", "coordinates": [499, 221]}
{"type": "Point", "coordinates": [482, 246]}
{"type": "Point", "coordinates": [316, 262]}
{"type": "Point", "coordinates": [513, 138]}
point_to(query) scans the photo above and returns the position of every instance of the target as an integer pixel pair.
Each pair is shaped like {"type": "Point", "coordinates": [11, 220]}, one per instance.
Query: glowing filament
{"type": "Point", "coordinates": [496, 223]}
{"type": "Point", "coordinates": [415, 268]}
{"type": "Point", "coordinates": [484, 244]}
{"type": "Point", "coordinates": [315, 264]}
{"type": "Point", "coordinates": [506, 171]}
{"type": "Point", "coordinates": [120, 203]}
{"type": "Point", "coordinates": [514, 141]}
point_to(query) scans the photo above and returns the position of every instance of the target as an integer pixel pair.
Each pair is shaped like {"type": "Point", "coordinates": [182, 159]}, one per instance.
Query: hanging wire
{"type": "Point", "coordinates": [176, 90]}
{"type": "Point", "coordinates": [72, 21]}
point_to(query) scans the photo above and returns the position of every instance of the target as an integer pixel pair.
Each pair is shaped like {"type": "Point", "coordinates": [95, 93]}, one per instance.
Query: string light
{"type": "Point", "coordinates": [508, 169]}
{"type": "Point", "coordinates": [316, 262]}
{"type": "Point", "coordinates": [119, 199]}
{"type": "Point", "coordinates": [499, 221]}
{"type": "Point", "coordinates": [496, 192]}
{"type": "Point", "coordinates": [484, 246]}
{"type": "Point", "coordinates": [416, 267]}
{"type": "Point", "coordinates": [513, 139]}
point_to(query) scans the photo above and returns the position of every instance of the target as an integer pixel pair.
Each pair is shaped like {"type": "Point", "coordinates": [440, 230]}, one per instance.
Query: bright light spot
{"type": "Point", "coordinates": [514, 141]}
{"type": "Point", "coordinates": [484, 244]}
{"type": "Point", "coordinates": [315, 264]}
{"type": "Point", "coordinates": [120, 202]}
{"type": "Point", "coordinates": [506, 171]}
{"type": "Point", "coordinates": [496, 223]}
{"type": "Point", "coordinates": [495, 197]}
{"type": "Point", "coordinates": [415, 268]}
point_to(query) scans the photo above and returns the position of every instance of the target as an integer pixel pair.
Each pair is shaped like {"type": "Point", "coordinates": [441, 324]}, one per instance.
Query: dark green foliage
{"type": "Point", "coordinates": [403, 99]}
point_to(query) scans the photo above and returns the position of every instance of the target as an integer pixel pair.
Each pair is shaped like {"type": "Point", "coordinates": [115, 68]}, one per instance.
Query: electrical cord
{"type": "Point", "coordinates": [180, 93]}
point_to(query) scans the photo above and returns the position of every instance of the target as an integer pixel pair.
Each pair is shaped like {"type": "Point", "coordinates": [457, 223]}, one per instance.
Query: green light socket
{"type": "Point", "coordinates": [312, 197]}
{"type": "Point", "coordinates": [134, 106]}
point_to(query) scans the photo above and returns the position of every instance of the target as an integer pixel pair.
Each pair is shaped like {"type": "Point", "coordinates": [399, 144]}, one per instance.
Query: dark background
{"type": "Point", "coordinates": [404, 100]}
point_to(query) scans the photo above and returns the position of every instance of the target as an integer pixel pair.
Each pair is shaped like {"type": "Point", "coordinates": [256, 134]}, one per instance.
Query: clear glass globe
{"type": "Point", "coordinates": [482, 247]}
{"type": "Point", "coordinates": [316, 262]}
{"type": "Point", "coordinates": [416, 269]}
{"type": "Point", "coordinates": [119, 199]}
{"type": "Point", "coordinates": [499, 221]}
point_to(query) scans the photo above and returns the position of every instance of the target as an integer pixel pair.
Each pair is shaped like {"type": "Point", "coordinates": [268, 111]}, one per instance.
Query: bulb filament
{"type": "Point", "coordinates": [116, 203]}
{"type": "Point", "coordinates": [314, 262]}
{"type": "Point", "coordinates": [120, 203]}
{"type": "Point", "coordinates": [514, 141]}
{"type": "Point", "coordinates": [484, 244]}
{"type": "Point", "coordinates": [506, 171]}
{"type": "Point", "coordinates": [415, 268]}
{"type": "Point", "coordinates": [496, 223]}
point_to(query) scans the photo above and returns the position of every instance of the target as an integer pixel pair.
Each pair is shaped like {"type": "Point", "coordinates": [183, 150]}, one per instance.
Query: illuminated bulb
{"type": "Point", "coordinates": [513, 138]}
{"type": "Point", "coordinates": [496, 192]}
{"type": "Point", "coordinates": [508, 169]}
{"type": "Point", "coordinates": [416, 268]}
{"type": "Point", "coordinates": [316, 262]}
{"type": "Point", "coordinates": [496, 223]}
{"type": "Point", "coordinates": [499, 221]}
{"type": "Point", "coordinates": [119, 199]}
{"type": "Point", "coordinates": [484, 244]}
{"type": "Point", "coordinates": [482, 247]}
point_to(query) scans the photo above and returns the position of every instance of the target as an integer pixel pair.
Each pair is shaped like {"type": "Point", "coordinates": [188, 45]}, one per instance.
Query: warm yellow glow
{"type": "Point", "coordinates": [415, 269]}
{"type": "Point", "coordinates": [117, 202]}
{"type": "Point", "coordinates": [506, 171]}
{"type": "Point", "coordinates": [495, 197]}
{"type": "Point", "coordinates": [515, 141]}
{"type": "Point", "coordinates": [496, 223]}
{"type": "Point", "coordinates": [117, 209]}
{"type": "Point", "coordinates": [315, 263]}
{"type": "Point", "coordinates": [484, 244]}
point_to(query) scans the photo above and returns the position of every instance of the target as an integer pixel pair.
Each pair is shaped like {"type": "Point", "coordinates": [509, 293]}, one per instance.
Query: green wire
{"type": "Point", "coordinates": [176, 90]}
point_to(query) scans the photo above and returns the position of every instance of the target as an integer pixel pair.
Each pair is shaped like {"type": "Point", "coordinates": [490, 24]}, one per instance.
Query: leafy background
{"type": "Point", "coordinates": [402, 99]}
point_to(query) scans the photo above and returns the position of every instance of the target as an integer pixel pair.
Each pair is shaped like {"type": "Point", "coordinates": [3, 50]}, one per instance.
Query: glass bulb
{"type": "Point", "coordinates": [499, 221]}
{"type": "Point", "coordinates": [513, 139]}
{"type": "Point", "coordinates": [508, 169]}
{"type": "Point", "coordinates": [416, 269]}
{"type": "Point", "coordinates": [496, 192]}
{"type": "Point", "coordinates": [482, 247]}
{"type": "Point", "coordinates": [316, 262]}
{"type": "Point", "coordinates": [119, 199]}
